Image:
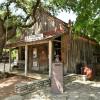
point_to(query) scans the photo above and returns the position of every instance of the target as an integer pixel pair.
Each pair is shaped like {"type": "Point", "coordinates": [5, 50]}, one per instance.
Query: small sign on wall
{"type": "Point", "coordinates": [35, 66]}
{"type": "Point", "coordinates": [35, 61]}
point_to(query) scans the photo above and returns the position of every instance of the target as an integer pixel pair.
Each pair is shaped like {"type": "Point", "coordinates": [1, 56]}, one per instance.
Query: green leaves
{"type": "Point", "coordinates": [88, 18]}
{"type": "Point", "coordinates": [88, 13]}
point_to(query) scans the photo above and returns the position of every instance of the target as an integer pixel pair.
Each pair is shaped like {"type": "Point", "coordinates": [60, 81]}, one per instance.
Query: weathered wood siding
{"type": "Point", "coordinates": [75, 51]}
{"type": "Point", "coordinates": [41, 58]}
{"type": "Point", "coordinates": [47, 24]}
{"type": "Point", "coordinates": [30, 58]}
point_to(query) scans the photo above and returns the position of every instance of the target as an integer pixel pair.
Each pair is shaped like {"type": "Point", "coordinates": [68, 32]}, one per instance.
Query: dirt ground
{"type": "Point", "coordinates": [7, 85]}
{"type": "Point", "coordinates": [75, 90]}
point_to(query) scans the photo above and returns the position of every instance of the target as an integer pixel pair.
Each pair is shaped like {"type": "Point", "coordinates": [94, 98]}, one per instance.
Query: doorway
{"type": "Point", "coordinates": [57, 49]}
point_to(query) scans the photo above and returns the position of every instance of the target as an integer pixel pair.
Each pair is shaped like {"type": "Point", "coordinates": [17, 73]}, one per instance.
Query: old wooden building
{"type": "Point", "coordinates": [49, 38]}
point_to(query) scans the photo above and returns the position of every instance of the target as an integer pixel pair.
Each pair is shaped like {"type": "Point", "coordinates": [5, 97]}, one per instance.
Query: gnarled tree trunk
{"type": "Point", "coordinates": [2, 44]}
{"type": "Point", "coordinates": [3, 37]}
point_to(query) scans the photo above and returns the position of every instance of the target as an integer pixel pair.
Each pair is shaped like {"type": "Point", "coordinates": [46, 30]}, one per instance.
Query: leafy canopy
{"type": "Point", "coordinates": [87, 22]}
{"type": "Point", "coordinates": [88, 16]}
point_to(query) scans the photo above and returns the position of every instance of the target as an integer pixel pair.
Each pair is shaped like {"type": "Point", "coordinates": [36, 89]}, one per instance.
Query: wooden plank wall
{"type": "Point", "coordinates": [30, 58]}
{"type": "Point", "coordinates": [75, 51]}
{"type": "Point", "coordinates": [64, 49]}
{"type": "Point", "coordinates": [43, 58]}
{"type": "Point", "coordinates": [46, 24]}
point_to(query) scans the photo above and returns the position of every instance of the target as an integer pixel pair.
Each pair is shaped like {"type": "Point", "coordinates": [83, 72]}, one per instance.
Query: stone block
{"type": "Point", "coordinates": [14, 97]}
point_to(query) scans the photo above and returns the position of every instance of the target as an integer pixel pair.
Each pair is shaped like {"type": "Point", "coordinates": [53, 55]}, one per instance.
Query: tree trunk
{"type": "Point", "coordinates": [2, 38]}
{"type": "Point", "coordinates": [10, 33]}
{"type": "Point", "coordinates": [2, 44]}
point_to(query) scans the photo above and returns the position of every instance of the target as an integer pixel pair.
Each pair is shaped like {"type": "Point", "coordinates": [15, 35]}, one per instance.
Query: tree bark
{"type": "Point", "coordinates": [2, 44]}
{"type": "Point", "coordinates": [3, 37]}
{"type": "Point", "coordinates": [11, 32]}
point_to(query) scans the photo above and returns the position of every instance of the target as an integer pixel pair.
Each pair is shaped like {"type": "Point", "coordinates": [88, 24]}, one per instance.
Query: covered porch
{"type": "Point", "coordinates": [36, 56]}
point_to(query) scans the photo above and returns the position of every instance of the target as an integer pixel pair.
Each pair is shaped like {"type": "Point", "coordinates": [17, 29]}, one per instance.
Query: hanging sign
{"type": "Point", "coordinates": [33, 37]}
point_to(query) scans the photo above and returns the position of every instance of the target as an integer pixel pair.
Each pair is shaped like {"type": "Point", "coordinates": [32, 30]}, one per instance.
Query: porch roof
{"type": "Point", "coordinates": [35, 42]}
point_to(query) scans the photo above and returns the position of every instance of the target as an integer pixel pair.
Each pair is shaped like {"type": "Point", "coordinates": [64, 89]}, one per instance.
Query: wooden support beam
{"type": "Point", "coordinates": [30, 54]}
{"type": "Point", "coordinates": [10, 59]}
{"type": "Point", "coordinates": [26, 59]}
{"type": "Point", "coordinates": [50, 57]}
{"type": "Point", "coordinates": [19, 53]}
{"type": "Point", "coordinates": [57, 41]}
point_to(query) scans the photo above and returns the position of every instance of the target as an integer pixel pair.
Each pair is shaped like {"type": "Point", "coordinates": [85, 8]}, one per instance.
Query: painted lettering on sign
{"type": "Point", "coordinates": [33, 37]}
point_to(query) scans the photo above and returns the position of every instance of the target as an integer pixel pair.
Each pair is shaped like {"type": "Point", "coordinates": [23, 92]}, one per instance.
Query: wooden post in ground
{"type": "Point", "coordinates": [26, 59]}
{"type": "Point", "coordinates": [50, 57]}
{"type": "Point", "coordinates": [10, 59]}
{"type": "Point", "coordinates": [57, 85]}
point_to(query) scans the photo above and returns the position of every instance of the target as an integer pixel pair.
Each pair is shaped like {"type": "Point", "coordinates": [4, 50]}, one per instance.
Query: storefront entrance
{"type": "Point", "coordinates": [40, 58]}
{"type": "Point", "coordinates": [57, 49]}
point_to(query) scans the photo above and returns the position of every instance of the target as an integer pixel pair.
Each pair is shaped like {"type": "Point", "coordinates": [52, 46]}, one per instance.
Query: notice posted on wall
{"type": "Point", "coordinates": [35, 66]}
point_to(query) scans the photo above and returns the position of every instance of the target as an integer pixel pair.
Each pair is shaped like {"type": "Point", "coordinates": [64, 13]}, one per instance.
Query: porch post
{"type": "Point", "coordinates": [26, 59]}
{"type": "Point", "coordinates": [10, 59]}
{"type": "Point", "coordinates": [50, 57]}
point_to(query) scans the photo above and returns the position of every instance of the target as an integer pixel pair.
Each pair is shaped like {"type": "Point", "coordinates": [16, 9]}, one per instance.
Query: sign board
{"type": "Point", "coordinates": [35, 62]}
{"type": "Point", "coordinates": [35, 66]}
{"type": "Point", "coordinates": [34, 37]}
{"type": "Point", "coordinates": [57, 78]}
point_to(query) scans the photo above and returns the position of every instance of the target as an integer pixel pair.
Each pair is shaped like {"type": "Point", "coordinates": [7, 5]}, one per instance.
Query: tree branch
{"type": "Point", "coordinates": [8, 11]}
{"type": "Point", "coordinates": [11, 32]}
{"type": "Point", "coordinates": [29, 25]}
{"type": "Point", "coordinates": [33, 15]}
{"type": "Point", "coordinates": [35, 7]}
{"type": "Point", "coordinates": [1, 27]}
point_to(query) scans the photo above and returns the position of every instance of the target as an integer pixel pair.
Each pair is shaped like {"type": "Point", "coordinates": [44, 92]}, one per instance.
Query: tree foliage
{"type": "Point", "coordinates": [10, 20]}
{"type": "Point", "coordinates": [88, 16]}
{"type": "Point", "coordinates": [87, 11]}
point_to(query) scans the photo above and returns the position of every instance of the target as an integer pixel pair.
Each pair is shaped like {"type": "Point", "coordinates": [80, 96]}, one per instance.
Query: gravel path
{"type": "Point", "coordinates": [77, 90]}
